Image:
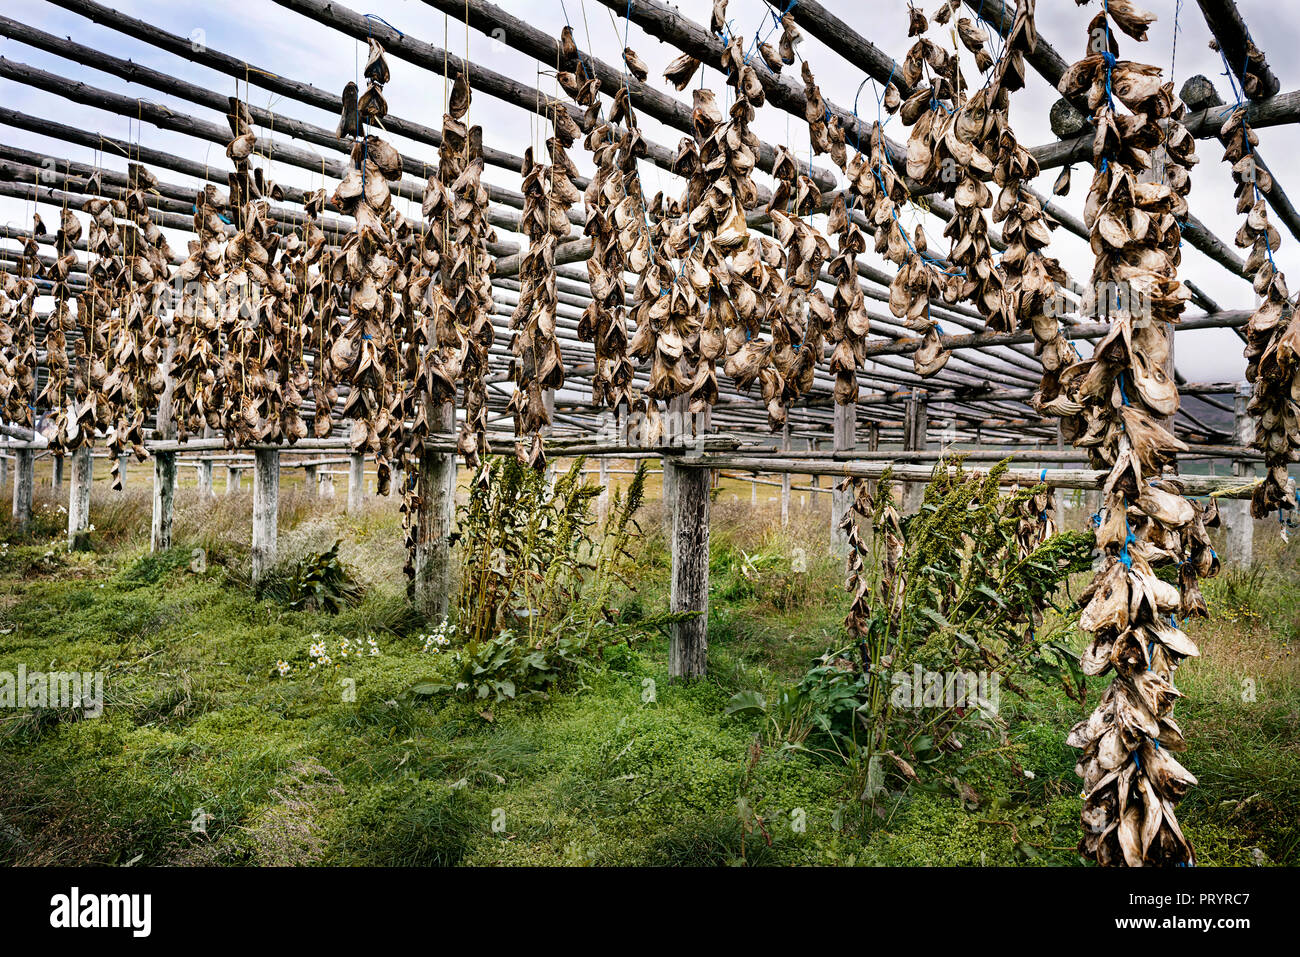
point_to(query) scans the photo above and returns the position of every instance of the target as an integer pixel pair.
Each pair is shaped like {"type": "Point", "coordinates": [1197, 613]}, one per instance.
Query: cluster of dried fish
{"type": "Point", "coordinates": [59, 322]}
{"type": "Point", "coordinates": [728, 280]}
{"type": "Point", "coordinates": [537, 364]}
{"type": "Point", "coordinates": [97, 317]}
{"type": "Point", "coordinates": [849, 327]}
{"type": "Point", "coordinates": [266, 374]}
{"type": "Point", "coordinates": [136, 334]}
{"type": "Point", "coordinates": [863, 511]}
{"type": "Point", "coordinates": [620, 240]}
{"type": "Point", "coordinates": [365, 353]}
{"type": "Point", "coordinates": [456, 200]}
{"type": "Point", "coordinates": [801, 316]}
{"type": "Point", "coordinates": [1273, 333]}
{"type": "Point", "coordinates": [1035, 519]}
{"type": "Point", "coordinates": [199, 378]}
{"type": "Point", "coordinates": [318, 298]}
{"type": "Point", "coordinates": [1131, 780]}
{"type": "Point", "coordinates": [18, 334]}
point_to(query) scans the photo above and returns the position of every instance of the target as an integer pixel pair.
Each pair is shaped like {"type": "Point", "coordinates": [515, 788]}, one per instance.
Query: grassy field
{"type": "Point", "coordinates": [206, 754]}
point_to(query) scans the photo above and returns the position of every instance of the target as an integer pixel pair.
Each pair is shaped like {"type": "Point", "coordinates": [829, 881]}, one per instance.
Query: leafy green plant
{"type": "Point", "coordinates": [317, 582]}
{"type": "Point", "coordinates": [538, 581]}
{"type": "Point", "coordinates": [961, 598]}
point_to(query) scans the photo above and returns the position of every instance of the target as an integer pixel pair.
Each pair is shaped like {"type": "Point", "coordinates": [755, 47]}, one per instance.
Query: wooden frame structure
{"type": "Point", "coordinates": [982, 395]}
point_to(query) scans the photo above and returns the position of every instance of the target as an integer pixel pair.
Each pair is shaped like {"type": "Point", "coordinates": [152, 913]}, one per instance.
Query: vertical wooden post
{"type": "Point", "coordinates": [873, 445]}
{"type": "Point", "coordinates": [916, 421]}
{"type": "Point", "coordinates": [56, 476]}
{"type": "Point", "coordinates": [204, 469]}
{"type": "Point", "coordinates": [79, 498]}
{"type": "Point", "coordinates": [309, 480]}
{"type": "Point", "coordinates": [164, 497]}
{"type": "Point", "coordinates": [753, 492]}
{"type": "Point", "coordinates": [436, 490]}
{"type": "Point", "coordinates": [846, 440]}
{"type": "Point", "coordinates": [679, 430]}
{"type": "Point", "coordinates": [24, 480]}
{"type": "Point", "coordinates": [785, 476]}
{"type": "Point", "coordinates": [688, 647]}
{"type": "Point", "coordinates": [234, 479]}
{"type": "Point", "coordinates": [122, 462]}
{"type": "Point", "coordinates": [356, 481]}
{"type": "Point", "coordinates": [1058, 497]}
{"type": "Point", "coordinates": [1238, 523]}
{"type": "Point", "coordinates": [266, 510]}
{"type": "Point", "coordinates": [164, 463]}
{"type": "Point", "coordinates": [602, 501]}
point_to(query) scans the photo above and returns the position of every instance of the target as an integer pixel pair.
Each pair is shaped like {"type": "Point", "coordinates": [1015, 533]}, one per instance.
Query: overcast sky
{"type": "Point", "coordinates": [271, 37]}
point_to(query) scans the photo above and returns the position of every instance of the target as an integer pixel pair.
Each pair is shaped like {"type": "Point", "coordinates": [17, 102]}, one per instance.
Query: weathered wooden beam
{"type": "Point", "coordinates": [266, 511]}
{"type": "Point", "coordinates": [263, 78]}
{"type": "Point", "coordinates": [79, 499]}
{"type": "Point", "coordinates": [274, 150]}
{"type": "Point", "coordinates": [688, 641]}
{"type": "Point", "coordinates": [490, 19]}
{"type": "Point", "coordinates": [24, 484]}
{"type": "Point", "coordinates": [1244, 58]}
{"type": "Point", "coordinates": [164, 500]}
{"type": "Point", "coordinates": [846, 441]}
{"type": "Point", "coordinates": [436, 490]}
{"type": "Point", "coordinates": [1238, 523]}
{"type": "Point", "coordinates": [356, 482]}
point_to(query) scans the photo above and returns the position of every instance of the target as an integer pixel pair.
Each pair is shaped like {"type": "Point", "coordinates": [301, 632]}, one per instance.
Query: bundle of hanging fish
{"type": "Point", "coordinates": [948, 149]}
{"type": "Point", "coordinates": [537, 364]}
{"type": "Point", "coordinates": [136, 333]}
{"type": "Point", "coordinates": [98, 315]}
{"type": "Point", "coordinates": [615, 206]}
{"type": "Point", "coordinates": [1035, 519]}
{"type": "Point", "coordinates": [1273, 333]}
{"type": "Point", "coordinates": [848, 329]}
{"type": "Point", "coordinates": [462, 322]}
{"type": "Point", "coordinates": [265, 371]}
{"type": "Point", "coordinates": [1131, 780]}
{"type": "Point", "coordinates": [55, 395]}
{"type": "Point", "coordinates": [18, 294]}
{"type": "Point", "coordinates": [729, 280]}
{"type": "Point", "coordinates": [856, 525]}
{"type": "Point", "coordinates": [312, 279]}
{"type": "Point", "coordinates": [801, 316]}
{"type": "Point", "coordinates": [199, 389]}
{"type": "Point", "coordinates": [365, 353]}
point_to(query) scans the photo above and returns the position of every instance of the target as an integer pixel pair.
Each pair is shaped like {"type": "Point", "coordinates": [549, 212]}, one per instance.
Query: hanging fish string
{"type": "Point", "coordinates": [1148, 531]}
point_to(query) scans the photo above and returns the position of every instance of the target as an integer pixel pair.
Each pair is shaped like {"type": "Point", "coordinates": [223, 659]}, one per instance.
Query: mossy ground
{"type": "Point", "coordinates": [204, 755]}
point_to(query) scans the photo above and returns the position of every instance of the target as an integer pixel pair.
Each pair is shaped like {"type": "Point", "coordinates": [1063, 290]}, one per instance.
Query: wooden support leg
{"type": "Point", "coordinates": [24, 481]}
{"type": "Point", "coordinates": [915, 425]}
{"type": "Point", "coordinates": [56, 476]}
{"type": "Point", "coordinates": [205, 479]}
{"type": "Point", "coordinates": [79, 498]}
{"type": "Point", "coordinates": [434, 522]}
{"type": "Point", "coordinates": [1238, 523]}
{"type": "Point", "coordinates": [234, 478]}
{"type": "Point", "coordinates": [841, 499]}
{"type": "Point", "coordinates": [356, 481]}
{"type": "Point", "coordinates": [164, 495]}
{"type": "Point", "coordinates": [309, 480]}
{"type": "Point", "coordinates": [602, 502]}
{"type": "Point", "coordinates": [266, 510]}
{"type": "Point", "coordinates": [687, 655]}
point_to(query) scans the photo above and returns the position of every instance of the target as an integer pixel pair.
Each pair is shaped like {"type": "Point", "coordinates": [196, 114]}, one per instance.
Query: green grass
{"type": "Point", "coordinates": [618, 767]}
